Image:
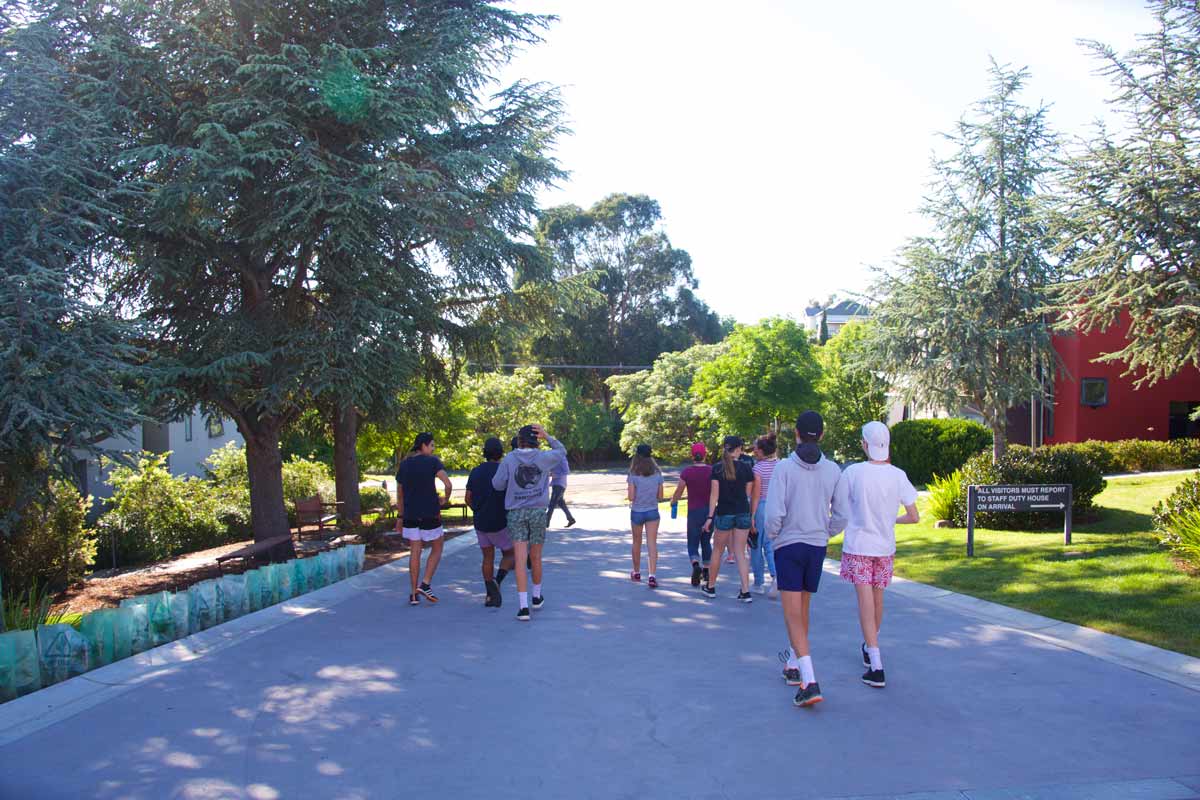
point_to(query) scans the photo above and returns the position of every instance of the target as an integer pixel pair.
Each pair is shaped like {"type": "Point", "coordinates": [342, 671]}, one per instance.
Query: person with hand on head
{"type": "Point", "coordinates": [491, 521]}
{"type": "Point", "coordinates": [695, 481]}
{"type": "Point", "coordinates": [798, 519]}
{"type": "Point", "coordinates": [872, 492]}
{"type": "Point", "coordinates": [524, 475]}
{"type": "Point", "coordinates": [645, 492]}
{"type": "Point", "coordinates": [419, 514]}
{"type": "Point", "coordinates": [729, 514]}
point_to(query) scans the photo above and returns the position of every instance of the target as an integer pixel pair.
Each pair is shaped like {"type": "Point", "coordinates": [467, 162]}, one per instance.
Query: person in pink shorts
{"type": "Point", "coordinates": [872, 492]}
{"type": "Point", "coordinates": [491, 521]}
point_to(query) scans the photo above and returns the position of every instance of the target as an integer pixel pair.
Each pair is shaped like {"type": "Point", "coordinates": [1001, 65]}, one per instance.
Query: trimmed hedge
{"type": "Point", "coordinates": [927, 447]}
{"type": "Point", "coordinates": [1137, 455]}
{"type": "Point", "coordinates": [1022, 465]}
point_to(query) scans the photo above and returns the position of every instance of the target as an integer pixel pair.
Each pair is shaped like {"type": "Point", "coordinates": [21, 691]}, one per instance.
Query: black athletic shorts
{"type": "Point", "coordinates": [424, 523]}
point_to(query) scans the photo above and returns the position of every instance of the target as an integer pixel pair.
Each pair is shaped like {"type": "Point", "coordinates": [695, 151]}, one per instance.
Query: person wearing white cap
{"type": "Point", "coordinates": [871, 493]}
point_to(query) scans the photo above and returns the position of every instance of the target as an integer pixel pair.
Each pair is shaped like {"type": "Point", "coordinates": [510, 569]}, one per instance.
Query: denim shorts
{"type": "Point", "coordinates": [642, 517]}
{"type": "Point", "coordinates": [727, 522]}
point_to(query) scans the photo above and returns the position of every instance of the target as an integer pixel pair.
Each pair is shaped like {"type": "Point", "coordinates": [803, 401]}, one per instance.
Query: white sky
{"type": "Point", "coordinates": [788, 143]}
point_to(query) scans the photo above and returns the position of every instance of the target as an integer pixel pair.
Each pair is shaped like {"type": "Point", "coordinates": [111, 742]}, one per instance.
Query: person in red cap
{"type": "Point", "coordinates": [694, 482]}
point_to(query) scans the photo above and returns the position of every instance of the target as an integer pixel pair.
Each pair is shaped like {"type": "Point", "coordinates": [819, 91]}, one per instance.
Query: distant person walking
{"type": "Point", "coordinates": [729, 514]}
{"type": "Point", "coordinates": [761, 553]}
{"type": "Point", "coordinates": [558, 488]}
{"type": "Point", "coordinates": [872, 492]}
{"type": "Point", "coordinates": [524, 475]}
{"type": "Point", "coordinates": [491, 521]}
{"type": "Point", "coordinates": [695, 482]}
{"type": "Point", "coordinates": [800, 516]}
{"type": "Point", "coordinates": [419, 513]}
{"type": "Point", "coordinates": [645, 492]}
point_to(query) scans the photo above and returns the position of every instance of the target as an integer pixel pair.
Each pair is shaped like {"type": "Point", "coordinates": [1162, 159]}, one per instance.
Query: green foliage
{"type": "Point", "coordinates": [154, 515]}
{"type": "Point", "coordinates": [1126, 220]}
{"type": "Point", "coordinates": [583, 425]}
{"type": "Point", "coordinates": [1183, 501]}
{"type": "Point", "coordinates": [1020, 465]}
{"type": "Point", "coordinates": [945, 495]}
{"type": "Point", "coordinates": [374, 498]}
{"type": "Point", "coordinates": [927, 447]}
{"type": "Point", "coordinates": [658, 405]}
{"type": "Point", "coordinates": [1137, 455]}
{"type": "Point", "coordinates": [1182, 535]}
{"type": "Point", "coordinates": [26, 610]}
{"type": "Point", "coordinates": [50, 546]}
{"type": "Point", "coordinates": [229, 482]}
{"type": "Point", "coordinates": [308, 436]}
{"type": "Point", "coordinates": [961, 320]}
{"type": "Point", "coordinates": [852, 392]}
{"type": "Point", "coordinates": [447, 412]}
{"type": "Point", "coordinates": [505, 402]}
{"type": "Point", "coordinates": [766, 375]}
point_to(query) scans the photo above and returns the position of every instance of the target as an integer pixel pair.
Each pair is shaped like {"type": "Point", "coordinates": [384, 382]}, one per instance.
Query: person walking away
{"type": "Point", "coordinates": [761, 553]}
{"type": "Point", "coordinates": [419, 513]}
{"type": "Point", "coordinates": [729, 513]}
{"type": "Point", "coordinates": [558, 488]}
{"type": "Point", "coordinates": [694, 481]}
{"type": "Point", "coordinates": [872, 492]}
{"type": "Point", "coordinates": [524, 475]}
{"type": "Point", "coordinates": [800, 516]}
{"type": "Point", "coordinates": [491, 521]}
{"type": "Point", "coordinates": [645, 492]}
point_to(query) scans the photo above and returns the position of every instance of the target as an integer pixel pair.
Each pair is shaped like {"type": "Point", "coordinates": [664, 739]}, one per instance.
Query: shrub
{"type": "Point", "coordinates": [944, 494]}
{"type": "Point", "coordinates": [1138, 455]}
{"type": "Point", "coordinates": [927, 447]}
{"type": "Point", "coordinates": [226, 467]}
{"type": "Point", "coordinates": [1184, 499]}
{"type": "Point", "coordinates": [155, 515]}
{"type": "Point", "coordinates": [374, 497]}
{"type": "Point", "coordinates": [49, 546]}
{"type": "Point", "coordinates": [1020, 465]}
{"type": "Point", "coordinates": [1182, 535]}
{"type": "Point", "coordinates": [26, 610]}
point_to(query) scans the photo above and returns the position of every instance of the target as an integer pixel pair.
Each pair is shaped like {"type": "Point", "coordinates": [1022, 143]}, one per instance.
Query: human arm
{"type": "Point", "coordinates": [468, 498]}
{"type": "Point", "coordinates": [661, 487]}
{"type": "Point", "coordinates": [445, 479]}
{"type": "Point", "coordinates": [908, 498]}
{"type": "Point", "coordinates": [679, 490]}
{"type": "Point", "coordinates": [776, 504]}
{"type": "Point", "coordinates": [500, 479]}
{"type": "Point", "coordinates": [755, 493]}
{"type": "Point", "coordinates": [555, 444]}
{"type": "Point", "coordinates": [399, 507]}
{"type": "Point", "coordinates": [839, 507]}
{"type": "Point", "coordinates": [630, 491]}
{"type": "Point", "coordinates": [910, 516]}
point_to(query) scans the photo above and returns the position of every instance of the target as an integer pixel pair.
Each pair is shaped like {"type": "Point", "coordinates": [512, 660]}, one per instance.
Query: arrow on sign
{"type": "Point", "coordinates": [1059, 506]}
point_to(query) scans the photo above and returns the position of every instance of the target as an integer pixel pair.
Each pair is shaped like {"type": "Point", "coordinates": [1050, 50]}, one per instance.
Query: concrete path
{"type": "Point", "coordinates": [613, 690]}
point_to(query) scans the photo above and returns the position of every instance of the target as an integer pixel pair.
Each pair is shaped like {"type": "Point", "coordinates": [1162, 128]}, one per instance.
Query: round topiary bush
{"type": "Point", "coordinates": [927, 447]}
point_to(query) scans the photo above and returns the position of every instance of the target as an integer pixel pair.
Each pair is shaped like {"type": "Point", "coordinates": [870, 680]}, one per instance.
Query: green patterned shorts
{"type": "Point", "coordinates": [527, 525]}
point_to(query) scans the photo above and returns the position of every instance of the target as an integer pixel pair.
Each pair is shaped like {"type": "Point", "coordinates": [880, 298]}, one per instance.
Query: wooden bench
{"type": "Point", "coordinates": [311, 511]}
{"type": "Point", "coordinates": [247, 555]}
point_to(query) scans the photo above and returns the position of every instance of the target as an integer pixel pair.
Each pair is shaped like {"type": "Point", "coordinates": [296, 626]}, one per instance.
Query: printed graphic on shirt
{"type": "Point", "coordinates": [528, 475]}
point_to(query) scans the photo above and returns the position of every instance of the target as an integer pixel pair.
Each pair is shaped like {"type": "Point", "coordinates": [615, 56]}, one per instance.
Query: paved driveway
{"type": "Point", "coordinates": [615, 690]}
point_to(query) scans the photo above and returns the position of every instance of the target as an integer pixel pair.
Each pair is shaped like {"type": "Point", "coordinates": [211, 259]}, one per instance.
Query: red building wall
{"type": "Point", "coordinates": [1130, 413]}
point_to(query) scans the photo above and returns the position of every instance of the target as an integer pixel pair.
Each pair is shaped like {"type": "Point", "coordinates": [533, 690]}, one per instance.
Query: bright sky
{"type": "Point", "coordinates": [788, 143]}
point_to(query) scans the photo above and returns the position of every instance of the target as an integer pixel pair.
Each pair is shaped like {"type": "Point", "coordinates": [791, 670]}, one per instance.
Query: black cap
{"type": "Point", "coordinates": [733, 442]}
{"type": "Point", "coordinates": [493, 449]}
{"type": "Point", "coordinates": [810, 424]}
{"type": "Point", "coordinates": [528, 435]}
{"type": "Point", "coordinates": [422, 440]}
{"type": "Point", "coordinates": [643, 450]}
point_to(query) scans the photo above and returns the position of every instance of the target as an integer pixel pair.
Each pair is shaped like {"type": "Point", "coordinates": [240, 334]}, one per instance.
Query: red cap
{"type": "Point", "coordinates": [699, 450]}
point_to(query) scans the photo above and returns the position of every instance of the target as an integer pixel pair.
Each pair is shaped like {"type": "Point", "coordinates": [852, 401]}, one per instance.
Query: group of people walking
{"type": "Point", "coordinates": [773, 516]}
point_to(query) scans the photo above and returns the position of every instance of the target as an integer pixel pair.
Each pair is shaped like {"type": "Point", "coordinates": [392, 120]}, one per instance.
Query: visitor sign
{"type": "Point", "coordinates": [1054, 497]}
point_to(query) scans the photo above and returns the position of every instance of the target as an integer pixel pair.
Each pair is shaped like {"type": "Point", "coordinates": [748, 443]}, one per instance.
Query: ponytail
{"type": "Point", "coordinates": [730, 467]}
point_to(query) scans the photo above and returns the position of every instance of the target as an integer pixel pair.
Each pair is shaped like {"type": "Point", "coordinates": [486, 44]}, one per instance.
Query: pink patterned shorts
{"type": "Point", "coordinates": [867, 570]}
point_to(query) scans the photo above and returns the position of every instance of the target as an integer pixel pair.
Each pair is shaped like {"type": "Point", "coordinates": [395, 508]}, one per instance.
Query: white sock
{"type": "Point", "coordinates": [792, 663]}
{"type": "Point", "coordinates": [876, 659]}
{"type": "Point", "coordinates": [806, 670]}
{"type": "Point", "coordinates": [523, 599]}
{"type": "Point", "coordinates": [537, 590]}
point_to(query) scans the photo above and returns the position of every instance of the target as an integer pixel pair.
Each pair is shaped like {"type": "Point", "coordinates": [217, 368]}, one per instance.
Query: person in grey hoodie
{"type": "Point", "coordinates": [524, 475]}
{"type": "Point", "coordinates": [801, 517]}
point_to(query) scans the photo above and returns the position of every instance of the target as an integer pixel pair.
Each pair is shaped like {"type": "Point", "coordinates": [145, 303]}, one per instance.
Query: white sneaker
{"type": "Point", "coordinates": [760, 588]}
{"type": "Point", "coordinates": [773, 590]}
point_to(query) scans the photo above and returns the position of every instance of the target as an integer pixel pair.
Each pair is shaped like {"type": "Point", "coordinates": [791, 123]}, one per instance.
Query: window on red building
{"type": "Point", "coordinates": [1093, 392]}
{"type": "Point", "coordinates": [1181, 423]}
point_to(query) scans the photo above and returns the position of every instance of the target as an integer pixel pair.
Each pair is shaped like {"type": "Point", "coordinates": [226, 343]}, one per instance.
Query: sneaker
{"type": "Point", "coordinates": [414, 599]}
{"type": "Point", "coordinates": [874, 677]}
{"type": "Point", "coordinates": [745, 597]}
{"type": "Point", "coordinates": [538, 602]}
{"type": "Point", "coordinates": [704, 576]}
{"type": "Point", "coordinates": [523, 615]}
{"type": "Point", "coordinates": [808, 695]}
{"type": "Point", "coordinates": [494, 598]}
{"type": "Point", "coordinates": [791, 675]}
{"type": "Point", "coordinates": [696, 572]}
{"type": "Point", "coordinates": [635, 576]}
{"type": "Point", "coordinates": [570, 522]}
{"type": "Point", "coordinates": [708, 591]}
{"type": "Point", "coordinates": [652, 582]}
{"type": "Point", "coordinates": [760, 588]}
{"type": "Point", "coordinates": [773, 589]}
{"type": "Point", "coordinates": [427, 590]}
{"type": "Point", "coordinates": [866, 657]}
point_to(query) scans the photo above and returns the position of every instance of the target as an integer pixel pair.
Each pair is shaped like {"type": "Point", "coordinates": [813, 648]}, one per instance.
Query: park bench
{"type": "Point", "coordinates": [312, 511]}
{"type": "Point", "coordinates": [250, 553]}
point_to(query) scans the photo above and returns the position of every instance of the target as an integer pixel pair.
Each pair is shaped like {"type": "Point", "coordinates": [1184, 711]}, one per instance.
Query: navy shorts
{"type": "Point", "coordinates": [798, 567]}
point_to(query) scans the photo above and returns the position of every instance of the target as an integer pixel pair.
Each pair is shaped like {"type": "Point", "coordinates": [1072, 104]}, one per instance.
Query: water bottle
{"type": "Point", "coordinates": [674, 510]}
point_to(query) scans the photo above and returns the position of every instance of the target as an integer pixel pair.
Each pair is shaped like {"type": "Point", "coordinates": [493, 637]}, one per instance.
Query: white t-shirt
{"type": "Point", "coordinates": [873, 494]}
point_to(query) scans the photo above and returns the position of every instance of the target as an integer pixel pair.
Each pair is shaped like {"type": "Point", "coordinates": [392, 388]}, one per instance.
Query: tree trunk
{"type": "Point", "coordinates": [998, 424]}
{"type": "Point", "coordinates": [345, 463]}
{"type": "Point", "coordinates": [264, 466]}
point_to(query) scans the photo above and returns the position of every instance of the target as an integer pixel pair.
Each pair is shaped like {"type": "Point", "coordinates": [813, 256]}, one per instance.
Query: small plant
{"type": "Point", "coordinates": [374, 498]}
{"type": "Point", "coordinates": [944, 494]}
{"type": "Point", "coordinates": [1185, 498]}
{"type": "Point", "coordinates": [1182, 535]}
{"type": "Point", "coordinates": [25, 611]}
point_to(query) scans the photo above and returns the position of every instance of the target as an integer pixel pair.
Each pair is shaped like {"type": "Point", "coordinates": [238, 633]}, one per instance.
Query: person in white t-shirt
{"type": "Point", "coordinates": [872, 492]}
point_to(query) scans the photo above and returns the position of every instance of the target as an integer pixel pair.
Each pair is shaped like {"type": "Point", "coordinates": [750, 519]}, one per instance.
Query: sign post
{"type": "Point", "coordinates": [1019, 498]}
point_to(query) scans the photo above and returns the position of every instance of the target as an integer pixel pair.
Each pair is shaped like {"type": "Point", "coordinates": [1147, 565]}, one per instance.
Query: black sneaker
{"type": "Point", "coordinates": [695, 573]}
{"type": "Point", "coordinates": [523, 615]}
{"type": "Point", "coordinates": [708, 591]}
{"type": "Point", "coordinates": [808, 696]}
{"type": "Point", "coordinates": [427, 590]}
{"type": "Point", "coordinates": [538, 602]}
{"type": "Point", "coordinates": [494, 598]}
{"type": "Point", "coordinates": [874, 677]}
{"type": "Point", "coordinates": [866, 658]}
{"type": "Point", "coordinates": [414, 599]}
{"type": "Point", "coordinates": [790, 674]}
{"type": "Point", "coordinates": [704, 576]}
{"type": "Point", "coordinates": [570, 522]}
{"type": "Point", "coordinates": [745, 597]}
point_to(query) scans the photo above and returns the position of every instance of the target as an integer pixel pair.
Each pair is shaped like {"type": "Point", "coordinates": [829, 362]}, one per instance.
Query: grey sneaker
{"type": "Point", "coordinates": [808, 696]}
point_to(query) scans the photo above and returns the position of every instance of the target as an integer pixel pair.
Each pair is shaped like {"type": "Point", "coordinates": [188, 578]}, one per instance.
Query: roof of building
{"type": "Point", "coordinates": [846, 308]}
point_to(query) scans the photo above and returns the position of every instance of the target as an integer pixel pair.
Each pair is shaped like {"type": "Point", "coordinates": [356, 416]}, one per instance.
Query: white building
{"type": "Point", "coordinates": [189, 440]}
{"type": "Point", "coordinates": [836, 316]}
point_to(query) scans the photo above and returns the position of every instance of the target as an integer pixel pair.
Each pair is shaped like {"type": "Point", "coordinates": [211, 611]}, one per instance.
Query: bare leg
{"type": "Point", "coordinates": [489, 563]}
{"type": "Point", "coordinates": [535, 555]}
{"type": "Point", "coordinates": [795, 616]}
{"type": "Point", "coordinates": [652, 543]}
{"type": "Point", "coordinates": [520, 553]}
{"type": "Point", "coordinates": [414, 563]}
{"type": "Point", "coordinates": [636, 551]}
{"type": "Point", "coordinates": [435, 557]}
{"type": "Point", "coordinates": [866, 614]}
{"type": "Point", "coordinates": [506, 559]}
{"type": "Point", "coordinates": [742, 556]}
{"type": "Point", "coordinates": [720, 542]}
{"type": "Point", "coordinates": [878, 609]}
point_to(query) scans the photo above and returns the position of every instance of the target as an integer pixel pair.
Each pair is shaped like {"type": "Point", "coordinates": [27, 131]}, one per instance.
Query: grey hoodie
{"type": "Point", "coordinates": [524, 475]}
{"type": "Point", "coordinates": [799, 503]}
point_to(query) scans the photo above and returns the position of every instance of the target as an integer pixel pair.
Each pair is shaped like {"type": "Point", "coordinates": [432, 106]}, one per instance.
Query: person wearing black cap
{"type": "Point", "coordinates": [645, 492]}
{"type": "Point", "coordinates": [729, 514]}
{"type": "Point", "coordinates": [801, 514]}
{"type": "Point", "coordinates": [420, 513]}
{"type": "Point", "coordinates": [491, 521]}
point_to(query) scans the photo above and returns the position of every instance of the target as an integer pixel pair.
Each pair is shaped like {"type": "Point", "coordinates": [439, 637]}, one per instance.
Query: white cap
{"type": "Point", "coordinates": [878, 437]}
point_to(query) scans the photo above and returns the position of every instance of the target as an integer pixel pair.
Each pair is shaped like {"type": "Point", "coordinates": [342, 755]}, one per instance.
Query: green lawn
{"type": "Point", "coordinates": [1113, 577]}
